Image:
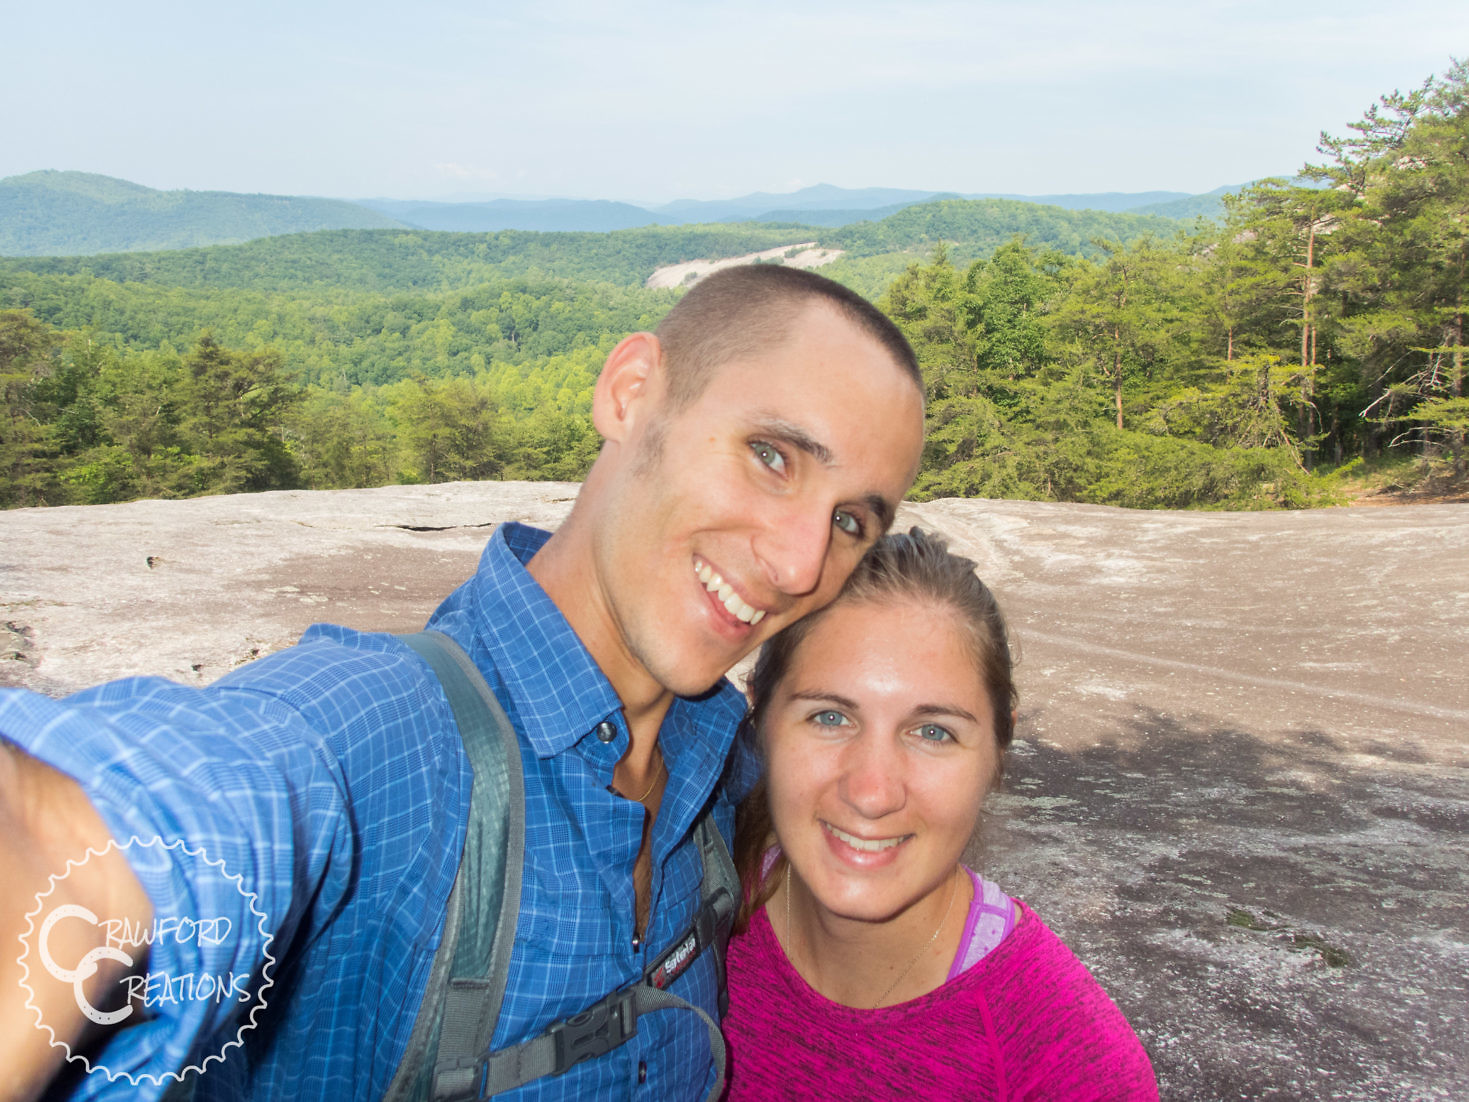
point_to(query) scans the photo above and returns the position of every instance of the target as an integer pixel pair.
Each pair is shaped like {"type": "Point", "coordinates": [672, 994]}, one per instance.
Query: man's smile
{"type": "Point", "coordinates": [725, 593]}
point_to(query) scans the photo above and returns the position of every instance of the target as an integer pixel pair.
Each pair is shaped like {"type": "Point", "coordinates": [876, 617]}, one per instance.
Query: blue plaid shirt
{"type": "Point", "coordinates": [327, 788]}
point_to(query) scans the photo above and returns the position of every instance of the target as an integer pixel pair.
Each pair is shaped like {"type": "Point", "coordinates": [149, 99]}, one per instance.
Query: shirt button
{"type": "Point", "coordinates": [642, 1071]}
{"type": "Point", "coordinates": [606, 732]}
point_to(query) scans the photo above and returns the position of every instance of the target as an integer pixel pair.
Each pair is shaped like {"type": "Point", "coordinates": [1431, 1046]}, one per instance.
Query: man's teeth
{"type": "Point", "coordinates": [728, 597]}
{"type": "Point", "coordinates": [863, 844]}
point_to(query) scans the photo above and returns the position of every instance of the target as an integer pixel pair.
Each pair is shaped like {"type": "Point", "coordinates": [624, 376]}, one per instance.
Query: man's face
{"type": "Point", "coordinates": [749, 506]}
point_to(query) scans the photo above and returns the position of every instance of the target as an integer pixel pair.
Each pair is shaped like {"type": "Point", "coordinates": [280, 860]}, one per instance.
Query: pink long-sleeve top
{"type": "Point", "coordinates": [1026, 1021]}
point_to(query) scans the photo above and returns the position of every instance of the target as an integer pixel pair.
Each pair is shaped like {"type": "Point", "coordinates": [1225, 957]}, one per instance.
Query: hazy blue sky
{"type": "Point", "coordinates": [656, 101]}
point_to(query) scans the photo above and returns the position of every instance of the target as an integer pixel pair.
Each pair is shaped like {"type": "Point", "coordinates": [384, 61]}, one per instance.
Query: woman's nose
{"type": "Point", "coordinates": [872, 778]}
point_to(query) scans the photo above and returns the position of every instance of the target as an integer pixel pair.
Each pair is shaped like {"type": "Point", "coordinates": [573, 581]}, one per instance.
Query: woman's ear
{"type": "Point", "coordinates": [631, 381]}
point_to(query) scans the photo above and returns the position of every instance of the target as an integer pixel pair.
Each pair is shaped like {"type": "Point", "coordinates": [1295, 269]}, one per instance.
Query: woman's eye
{"type": "Point", "coordinates": [847, 522]}
{"type": "Point", "coordinates": [769, 454]}
{"type": "Point", "coordinates": [932, 732]}
{"type": "Point", "coordinates": [829, 718]}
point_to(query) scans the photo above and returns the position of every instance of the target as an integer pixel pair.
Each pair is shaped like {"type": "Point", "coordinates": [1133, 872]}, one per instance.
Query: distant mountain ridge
{"type": "Point", "coordinates": [53, 213]}
{"type": "Point", "coordinates": [818, 205]}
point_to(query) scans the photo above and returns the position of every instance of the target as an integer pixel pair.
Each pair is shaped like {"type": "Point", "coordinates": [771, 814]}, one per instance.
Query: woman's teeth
{"type": "Point", "coordinates": [863, 844]}
{"type": "Point", "coordinates": [728, 597]}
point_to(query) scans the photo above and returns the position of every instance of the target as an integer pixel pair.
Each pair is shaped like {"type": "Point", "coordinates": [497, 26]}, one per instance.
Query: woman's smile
{"type": "Point", "coordinates": [867, 847]}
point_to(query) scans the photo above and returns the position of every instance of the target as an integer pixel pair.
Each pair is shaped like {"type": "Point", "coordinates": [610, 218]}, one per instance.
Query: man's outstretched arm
{"type": "Point", "coordinates": [45, 821]}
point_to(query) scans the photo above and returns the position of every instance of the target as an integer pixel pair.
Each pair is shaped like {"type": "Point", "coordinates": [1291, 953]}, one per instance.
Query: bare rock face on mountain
{"type": "Point", "coordinates": [1238, 789]}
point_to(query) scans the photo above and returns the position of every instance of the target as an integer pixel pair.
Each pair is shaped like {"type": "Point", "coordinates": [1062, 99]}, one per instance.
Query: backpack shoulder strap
{"type": "Point", "coordinates": [721, 896]}
{"type": "Point", "coordinates": [456, 1020]}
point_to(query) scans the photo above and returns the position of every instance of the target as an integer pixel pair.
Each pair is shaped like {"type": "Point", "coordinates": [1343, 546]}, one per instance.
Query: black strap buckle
{"type": "Point", "coordinates": [458, 1081]}
{"type": "Point", "coordinates": [599, 1028]}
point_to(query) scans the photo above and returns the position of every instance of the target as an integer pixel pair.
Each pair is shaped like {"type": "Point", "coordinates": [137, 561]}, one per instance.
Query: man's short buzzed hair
{"type": "Point", "coordinates": [737, 313]}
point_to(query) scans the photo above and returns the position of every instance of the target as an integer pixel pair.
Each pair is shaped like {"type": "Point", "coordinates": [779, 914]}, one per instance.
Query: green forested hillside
{"type": "Point", "coordinates": [973, 228]}
{"type": "Point", "coordinates": [400, 260]}
{"type": "Point", "coordinates": [404, 260]}
{"type": "Point", "coordinates": [354, 307]}
{"type": "Point", "coordinates": [1067, 355]}
{"type": "Point", "coordinates": [78, 213]}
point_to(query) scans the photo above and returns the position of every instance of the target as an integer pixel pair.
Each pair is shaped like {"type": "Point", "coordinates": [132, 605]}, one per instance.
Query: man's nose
{"type": "Point", "coordinates": [792, 549]}
{"type": "Point", "coordinates": [872, 776]}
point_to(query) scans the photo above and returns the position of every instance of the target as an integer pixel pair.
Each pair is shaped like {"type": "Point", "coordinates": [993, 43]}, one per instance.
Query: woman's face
{"type": "Point", "coordinates": [880, 747]}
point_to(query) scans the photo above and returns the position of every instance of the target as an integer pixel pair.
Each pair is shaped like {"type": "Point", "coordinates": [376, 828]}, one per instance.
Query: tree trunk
{"type": "Point", "coordinates": [1308, 347]}
{"type": "Point", "coordinates": [1117, 373]}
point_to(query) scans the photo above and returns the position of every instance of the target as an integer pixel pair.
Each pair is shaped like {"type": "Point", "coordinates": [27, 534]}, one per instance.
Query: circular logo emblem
{"type": "Point", "coordinates": [55, 927]}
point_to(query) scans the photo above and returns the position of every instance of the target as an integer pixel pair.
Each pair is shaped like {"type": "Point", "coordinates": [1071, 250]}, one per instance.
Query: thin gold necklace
{"type": "Point", "coordinates": [953, 883]}
{"type": "Point", "coordinates": [656, 774]}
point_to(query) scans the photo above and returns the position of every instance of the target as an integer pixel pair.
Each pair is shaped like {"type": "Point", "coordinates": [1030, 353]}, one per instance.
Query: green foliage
{"type": "Point", "coordinates": [87, 424]}
{"type": "Point", "coordinates": [27, 364]}
{"type": "Point", "coordinates": [977, 227]}
{"type": "Point", "coordinates": [232, 413]}
{"type": "Point", "coordinates": [447, 429]}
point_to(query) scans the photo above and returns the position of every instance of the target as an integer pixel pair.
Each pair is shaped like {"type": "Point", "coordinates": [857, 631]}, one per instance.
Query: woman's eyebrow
{"type": "Point", "coordinates": [823, 696]}
{"type": "Point", "coordinates": [945, 710]}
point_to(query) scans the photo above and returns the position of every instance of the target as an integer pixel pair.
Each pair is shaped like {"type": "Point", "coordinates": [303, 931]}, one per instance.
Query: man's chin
{"type": "Point", "coordinates": [693, 685]}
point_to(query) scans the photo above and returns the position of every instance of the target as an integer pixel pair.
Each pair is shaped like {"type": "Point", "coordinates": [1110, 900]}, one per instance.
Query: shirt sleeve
{"type": "Point", "coordinates": [231, 806]}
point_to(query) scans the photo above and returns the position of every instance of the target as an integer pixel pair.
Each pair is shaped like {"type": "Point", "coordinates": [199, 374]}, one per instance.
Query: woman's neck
{"type": "Point", "coordinates": [866, 964]}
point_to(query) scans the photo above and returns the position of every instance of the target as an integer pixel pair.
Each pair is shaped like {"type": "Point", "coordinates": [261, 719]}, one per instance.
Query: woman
{"type": "Point", "coordinates": [871, 963]}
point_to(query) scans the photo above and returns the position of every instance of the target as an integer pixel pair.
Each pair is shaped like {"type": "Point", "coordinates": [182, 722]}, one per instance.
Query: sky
{"type": "Point", "coordinates": [649, 102]}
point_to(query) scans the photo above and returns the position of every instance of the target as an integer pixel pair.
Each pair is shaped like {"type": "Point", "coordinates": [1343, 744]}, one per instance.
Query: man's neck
{"type": "Point", "coordinates": [562, 568]}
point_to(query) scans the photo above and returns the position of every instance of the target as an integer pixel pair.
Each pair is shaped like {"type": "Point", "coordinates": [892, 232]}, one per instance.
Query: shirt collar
{"type": "Point", "coordinates": [553, 689]}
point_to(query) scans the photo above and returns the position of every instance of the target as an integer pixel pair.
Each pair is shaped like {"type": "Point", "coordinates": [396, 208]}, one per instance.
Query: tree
{"type": "Point", "coordinates": [1117, 317]}
{"type": "Point", "coordinates": [342, 441]}
{"type": "Point", "coordinates": [448, 429]}
{"type": "Point", "coordinates": [1407, 276]}
{"type": "Point", "coordinates": [28, 356]}
{"type": "Point", "coordinates": [234, 407]}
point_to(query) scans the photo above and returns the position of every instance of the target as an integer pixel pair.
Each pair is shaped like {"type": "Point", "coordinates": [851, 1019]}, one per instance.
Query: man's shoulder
{"type": "Point", "coordinates": [325, 655]}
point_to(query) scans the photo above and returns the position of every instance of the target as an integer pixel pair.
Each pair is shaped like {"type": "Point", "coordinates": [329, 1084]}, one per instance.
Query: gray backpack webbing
{"type": "Point", "coordinates": [448, 1056]}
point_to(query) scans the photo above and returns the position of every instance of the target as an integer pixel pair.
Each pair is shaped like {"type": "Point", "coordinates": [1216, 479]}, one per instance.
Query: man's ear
{"type": "Point", "coordinates": [631, 381]}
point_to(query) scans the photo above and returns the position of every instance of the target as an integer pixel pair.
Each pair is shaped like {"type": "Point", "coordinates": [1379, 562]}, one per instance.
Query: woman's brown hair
{"type": "Point", "coordinates": [914, 565]}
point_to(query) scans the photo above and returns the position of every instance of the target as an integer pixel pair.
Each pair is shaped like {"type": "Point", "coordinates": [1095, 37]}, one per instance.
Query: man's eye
{"type": "Point", "coordinates": [769, 454]}
{"type": "Point", "coordinates": [847, 522]}
{"type": "Point", "coordinates": [829, 718]}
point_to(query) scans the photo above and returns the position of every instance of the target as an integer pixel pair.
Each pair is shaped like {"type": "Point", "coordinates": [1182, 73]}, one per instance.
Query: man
{"type": "Point", "coordinates": [753, 449]}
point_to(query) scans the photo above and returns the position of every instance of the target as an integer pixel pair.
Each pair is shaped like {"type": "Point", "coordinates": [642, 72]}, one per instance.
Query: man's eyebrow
{"type": "Point", "coordinates": [883, 510]}
{"type": "Point", "coordinates": [793, 434]}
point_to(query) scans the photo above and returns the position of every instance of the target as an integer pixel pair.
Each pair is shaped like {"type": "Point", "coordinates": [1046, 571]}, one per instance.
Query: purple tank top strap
{"type": "Point", "coordinates": [991, 918]}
